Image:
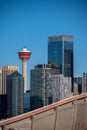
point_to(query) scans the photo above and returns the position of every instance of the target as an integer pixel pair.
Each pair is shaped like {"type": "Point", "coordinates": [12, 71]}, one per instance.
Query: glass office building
{"type": "Point", "coordinates": [41, 86]}
{"type": "Point", "coordinates": [60, 51]}
{"type": "Point", "coordinates": [15, 94]}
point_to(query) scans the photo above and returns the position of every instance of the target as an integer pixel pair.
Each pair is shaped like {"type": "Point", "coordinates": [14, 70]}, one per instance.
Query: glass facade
{"type": "Point", "coordinates": [27, 101]}
{"type": "Point", "coordinates": [68, 59]}
{"type": "Point", "coordinates": [78, 80]}
{"type": "Point", "coordinates": [15, 94]}
{"type": "Point", "coordinates": [41, 86]}
{"type": "Point", "coordinates": [55, 53]}
{"type": "Point", "coordinates": [60, 51]}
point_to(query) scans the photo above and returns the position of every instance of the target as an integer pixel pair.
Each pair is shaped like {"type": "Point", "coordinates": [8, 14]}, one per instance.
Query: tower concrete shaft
{"type": "Point", "coordinates": [24, 73]}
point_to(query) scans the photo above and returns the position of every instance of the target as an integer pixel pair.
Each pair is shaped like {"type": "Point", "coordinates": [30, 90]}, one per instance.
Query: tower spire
{"type": "Point", "coordinates": [24, 44]}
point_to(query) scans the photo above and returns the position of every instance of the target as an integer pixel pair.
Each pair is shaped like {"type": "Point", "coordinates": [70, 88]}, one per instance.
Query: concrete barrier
{"type": "Point", "coordinates": [68, 114]}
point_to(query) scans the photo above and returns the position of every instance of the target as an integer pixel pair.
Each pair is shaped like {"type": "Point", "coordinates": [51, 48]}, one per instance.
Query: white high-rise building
{"type": "Point", "coordinates": [61, 87]}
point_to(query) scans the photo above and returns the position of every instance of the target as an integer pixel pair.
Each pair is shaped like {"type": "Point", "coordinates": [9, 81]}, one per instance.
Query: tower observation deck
{"type": "Point", "coordinates": [24, 55]}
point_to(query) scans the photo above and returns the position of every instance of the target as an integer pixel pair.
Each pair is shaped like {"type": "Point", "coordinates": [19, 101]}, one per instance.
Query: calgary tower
{"type": "Point", "coordinates": [24, 55]}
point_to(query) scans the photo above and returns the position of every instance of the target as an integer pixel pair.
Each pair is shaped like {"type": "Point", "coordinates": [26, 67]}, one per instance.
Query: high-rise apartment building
{"type": "Point", "coordinates": [61, 87]}
{"type": "Point", "coordinates": [84, 83]}
{"type": "Point", "coordinates": [60, 51]}
{"type": "Point", "coordinates": [41, 86]}
{"type": "Point", "coordinates": [15, 94]}
{"type": "Point", "coordinates": [7, 70]}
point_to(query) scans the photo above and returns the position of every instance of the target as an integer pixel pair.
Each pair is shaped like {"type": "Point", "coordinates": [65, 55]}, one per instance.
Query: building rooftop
{"type": "Point", "coordinates": [60, 38]}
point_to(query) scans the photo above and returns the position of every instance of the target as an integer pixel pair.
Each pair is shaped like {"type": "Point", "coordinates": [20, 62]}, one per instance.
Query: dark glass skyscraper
{"type": "Point", "coordinates": [15, 94]}
{"type": "Point", "coordinates": [60, 51]}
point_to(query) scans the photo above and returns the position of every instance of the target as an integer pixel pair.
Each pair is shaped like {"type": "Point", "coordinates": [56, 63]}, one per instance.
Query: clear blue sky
{"type": "Point", "coordinates": [32, 21]}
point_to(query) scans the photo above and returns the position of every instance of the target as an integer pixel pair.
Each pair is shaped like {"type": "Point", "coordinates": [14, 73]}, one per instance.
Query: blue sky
{"type": "Point", "coordinates": [30, 22]}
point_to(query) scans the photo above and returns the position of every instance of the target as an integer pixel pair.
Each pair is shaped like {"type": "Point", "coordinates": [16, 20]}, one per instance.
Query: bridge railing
{"type": "Point", "coordinates": [68, 114]}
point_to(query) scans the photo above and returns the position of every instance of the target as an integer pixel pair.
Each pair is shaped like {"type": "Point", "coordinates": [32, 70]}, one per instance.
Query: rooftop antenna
{"type": "Point", "coordinates": [24, 44]}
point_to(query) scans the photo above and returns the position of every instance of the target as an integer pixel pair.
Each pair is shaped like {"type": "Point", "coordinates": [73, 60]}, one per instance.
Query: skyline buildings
{"type": "Point", "coordinates": [58, 66]}
{"type": "Point", "coordinates": [48, 86]}
{"type": "Point", "coordinates": [60, 51]}
{"type": "Point", "coordinates": [50, 98]}
{"type": "Point", "coordinates": [17, 28]}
